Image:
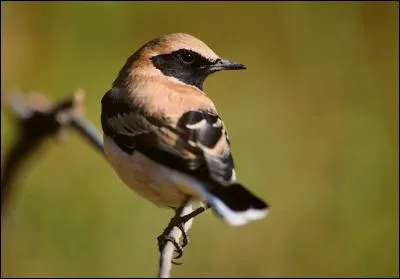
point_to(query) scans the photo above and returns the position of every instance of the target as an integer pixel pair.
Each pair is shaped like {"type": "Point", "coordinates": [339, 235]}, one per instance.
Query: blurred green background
{"type": "Point", "coordinates": [313, 123]}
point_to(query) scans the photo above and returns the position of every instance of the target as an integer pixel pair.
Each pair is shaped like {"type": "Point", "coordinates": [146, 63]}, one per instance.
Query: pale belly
{"type": "Point", "coordinates": [154, 182]}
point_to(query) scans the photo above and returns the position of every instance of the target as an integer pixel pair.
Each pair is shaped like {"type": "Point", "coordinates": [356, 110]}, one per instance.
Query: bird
{"type": "Point", "coordinates": [163, 136]}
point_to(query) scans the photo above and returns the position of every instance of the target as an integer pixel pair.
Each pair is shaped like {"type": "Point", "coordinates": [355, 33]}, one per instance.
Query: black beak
{"type": "Point", "coordinates": [221, 64]}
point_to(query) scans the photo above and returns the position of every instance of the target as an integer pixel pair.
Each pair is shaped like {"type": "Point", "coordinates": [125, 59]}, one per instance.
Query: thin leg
{"type": "Point", "coordinates": [194, 213]}
{"type": "Point", "coordinates": [164, 237]}
{"type": "Point", "coordinates": [179, 221]}
{"type": "Point", "coordinates": [184, 219]}
{"type": "Point", "coordinates": [162, 240]}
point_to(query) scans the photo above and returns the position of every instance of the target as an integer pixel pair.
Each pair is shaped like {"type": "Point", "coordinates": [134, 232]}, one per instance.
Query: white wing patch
{"type": "Point", "coordinates": [197, 125]}
{"type": "Point", "coordinates": [211, 137]}
{"type": "Point", "coordinates": [217, 124]}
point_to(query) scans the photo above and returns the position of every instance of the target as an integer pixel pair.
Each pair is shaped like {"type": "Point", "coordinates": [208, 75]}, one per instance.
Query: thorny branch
{"type": "Point", "coordinates": [38, 120]}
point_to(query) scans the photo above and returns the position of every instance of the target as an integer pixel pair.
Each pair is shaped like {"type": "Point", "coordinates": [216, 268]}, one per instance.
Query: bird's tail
{"type": "Point", "coordinates": [235, 204]}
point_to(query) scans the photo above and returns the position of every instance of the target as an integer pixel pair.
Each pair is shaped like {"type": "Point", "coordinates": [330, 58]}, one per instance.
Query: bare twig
{"type": "Point", "coordinates": [87, 131]}
{"type": "Point", "coordinates": [175, 233]}
{"type": "Point", "coordinates": [37, 120]}
{"type": "Point", "coordinates": [184, 215]}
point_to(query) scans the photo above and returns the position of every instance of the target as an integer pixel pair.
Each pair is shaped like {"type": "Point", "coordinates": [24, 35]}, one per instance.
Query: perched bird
{"type": "Point", "coordinates": [163, 136]}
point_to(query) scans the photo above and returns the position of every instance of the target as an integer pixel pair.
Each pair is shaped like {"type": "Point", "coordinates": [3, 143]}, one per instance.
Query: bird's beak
{"type": "Point", "coordinates": [222, 64]}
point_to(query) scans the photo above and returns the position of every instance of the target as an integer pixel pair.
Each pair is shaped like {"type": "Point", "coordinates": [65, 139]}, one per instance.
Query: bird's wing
{"type": "Point", "coordinates": [197, 143]}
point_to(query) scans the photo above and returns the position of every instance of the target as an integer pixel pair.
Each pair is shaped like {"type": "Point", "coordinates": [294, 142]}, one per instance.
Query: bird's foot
{"type": "Point", "coordinates": [178, 222]}
{"type": "Point", "coordinates": [163, 239]}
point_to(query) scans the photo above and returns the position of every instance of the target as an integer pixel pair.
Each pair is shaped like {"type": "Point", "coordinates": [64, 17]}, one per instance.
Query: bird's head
{"type": "Point", "coordinates": [179, 56]}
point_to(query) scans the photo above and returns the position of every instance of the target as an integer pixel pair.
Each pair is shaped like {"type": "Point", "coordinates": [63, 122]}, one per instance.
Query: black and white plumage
{"type": "Point", "coordinates": [163, 136]}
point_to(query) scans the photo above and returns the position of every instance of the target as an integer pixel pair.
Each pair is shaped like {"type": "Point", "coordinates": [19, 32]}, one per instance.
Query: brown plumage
{"type": "Point", "coordinates": [156, 92]}
{"type": "Point", "coordinates": [163, 136]}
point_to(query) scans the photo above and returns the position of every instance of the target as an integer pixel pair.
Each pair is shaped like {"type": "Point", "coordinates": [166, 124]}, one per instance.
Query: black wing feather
{"type": "Point", "coordinates": [198, 135]}
{"type": "Point", "coordinates": [196, 131]}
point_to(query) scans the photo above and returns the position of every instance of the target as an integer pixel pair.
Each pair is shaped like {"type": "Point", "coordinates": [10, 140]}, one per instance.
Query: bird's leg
{"type": "Point", "coordinates": [194, 213]}
{"type": "Point", "coordinates": [164, 237]}
{"type": "Point", "coordinates": [179, 222]}
{"type": "Point", "coordinates": [184, 219]}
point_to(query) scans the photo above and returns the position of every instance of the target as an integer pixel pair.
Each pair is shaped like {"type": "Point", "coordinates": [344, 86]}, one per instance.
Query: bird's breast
{"type": "Point", "coordinates": [167, 97]}
{"type": "Point", "coordinates": [149, 179]}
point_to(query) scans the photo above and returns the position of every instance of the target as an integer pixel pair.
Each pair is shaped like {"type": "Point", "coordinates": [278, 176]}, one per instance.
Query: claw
{"type": "Point", "coordinates": [185, 240]}
{"type": "Point", "coordinates": [162, 239]}
{"type": "Point", "coordinates": [178, 256]}
{"type": "Point", "coordinates": [179, 222]}
{"type": "Point", "coordinates": [175, 263]}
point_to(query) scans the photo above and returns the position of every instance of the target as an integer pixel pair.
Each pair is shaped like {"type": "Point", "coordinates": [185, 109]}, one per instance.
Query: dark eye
{"type": "Point", "coordinates": [186, 57]}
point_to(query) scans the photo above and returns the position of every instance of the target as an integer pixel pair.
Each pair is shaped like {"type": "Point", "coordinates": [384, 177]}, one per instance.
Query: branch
{"type": "Point", "coordinates": [167, 251]}
{"type": "Point", "coordinates": [38, 120]}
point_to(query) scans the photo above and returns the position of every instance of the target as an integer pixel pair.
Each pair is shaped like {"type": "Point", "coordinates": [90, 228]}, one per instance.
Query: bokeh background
{"type": "Point", "coordinates": [313, 123]}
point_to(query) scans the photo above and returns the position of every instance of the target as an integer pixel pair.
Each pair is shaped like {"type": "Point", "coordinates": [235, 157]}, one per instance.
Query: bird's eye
{"type": "Point", "coordinates": [186, 57]}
